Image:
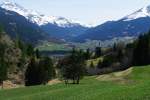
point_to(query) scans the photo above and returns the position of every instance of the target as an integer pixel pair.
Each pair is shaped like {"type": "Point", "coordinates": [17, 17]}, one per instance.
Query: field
{"type": "Point", "coordinates": [46, 46]}
{"type": "Point", "coordinates": [131, 84]}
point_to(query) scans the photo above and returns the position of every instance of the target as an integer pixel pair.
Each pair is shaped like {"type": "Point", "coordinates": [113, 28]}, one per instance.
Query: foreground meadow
{"type": "Point", "coordinates": [132, 84]}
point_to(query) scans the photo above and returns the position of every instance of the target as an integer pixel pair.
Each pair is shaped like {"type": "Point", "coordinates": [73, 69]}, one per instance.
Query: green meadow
{"type": "Point", "coordinates": [131, 84]}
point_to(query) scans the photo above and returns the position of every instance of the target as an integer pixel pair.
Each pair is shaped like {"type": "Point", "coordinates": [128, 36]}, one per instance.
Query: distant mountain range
{"type": "Point", "coordinates": [131, 25]}
{"type": "Point", "coordinates": [58, 27]}
{"type": "Point", "coordinates": [33, 26]}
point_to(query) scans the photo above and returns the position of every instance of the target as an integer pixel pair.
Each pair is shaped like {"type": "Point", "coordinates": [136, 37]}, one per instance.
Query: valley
{"type": "Point", "coordinates": [58, 29]}
{"type": "Point", "coordinates": [50, 57]}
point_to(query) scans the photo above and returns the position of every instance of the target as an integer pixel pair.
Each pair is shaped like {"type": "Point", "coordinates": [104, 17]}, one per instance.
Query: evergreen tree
{"type": "Point", "coordinates": [87, 54]}
{"type": "Point", "coordinates": [37, 53]}
{"type": "Point", "coordinates": [92, 65]}
{"type": "Point", "coordinates": [98, 52]}
{"type": "Point", "coordinates": [1, 29]}
{"type": "Point", "coordinates": [39, 72]}
{"type": "Point", "coordinates": [114, 47]}
{"type": "Point", "coordinates": [107, 61]}
{"type": "Point", "coordinates": [30, 50]}
{"type": "Point", "coordinates": [141, 54]}
{"type": "Point", "coordinates": [3, 64]}
{"type": "Point", "coordinates": [47, 71]}
{"type": "Point", "coordinates": [31, 75]}
{"type": "Point", "coordinates": [99, 65]}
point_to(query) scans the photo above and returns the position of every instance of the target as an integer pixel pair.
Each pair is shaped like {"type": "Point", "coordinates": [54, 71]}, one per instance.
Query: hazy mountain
{"type": "Point", "coordinates": [131, 25]}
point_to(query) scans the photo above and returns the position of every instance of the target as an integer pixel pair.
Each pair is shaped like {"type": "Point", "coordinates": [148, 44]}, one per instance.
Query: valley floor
{"type": "Point", "coordinates": [132, 84]}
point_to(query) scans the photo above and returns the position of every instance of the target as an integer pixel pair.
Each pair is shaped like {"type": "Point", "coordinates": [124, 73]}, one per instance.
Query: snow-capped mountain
{"type": "Point", "coordinates": [37, 17]}
{"type": "Point", "coordinates": [58, 27]}
{"type": "Point", "coordinates": [15, 24]}
{"type": "Point", "coordinates": [143, 12]}
{"type": "Point", "coordinates": [131, 25]}
{"type": "Point", "coordinates": [62, 28]}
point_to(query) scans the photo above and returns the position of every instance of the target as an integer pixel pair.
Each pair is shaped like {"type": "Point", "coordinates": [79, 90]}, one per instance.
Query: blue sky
{"type": "Point", "coordinates": [85, 11]}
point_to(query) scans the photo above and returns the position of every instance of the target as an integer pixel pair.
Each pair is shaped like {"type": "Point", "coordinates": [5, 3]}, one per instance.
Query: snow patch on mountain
{"type": "Point", "coordinates": [37, 17]}
{"type": "Point", "coordinates": [143, 12]}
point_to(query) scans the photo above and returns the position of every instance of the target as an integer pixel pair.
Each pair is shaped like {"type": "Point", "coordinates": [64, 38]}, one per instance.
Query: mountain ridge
{"type": "Point", "coordinates": [70, 31]}
{"type": "Point", "coordinates": [133, 24]}
{"type": "Point", "coordinates": [37, 17]}
{"type": "Point", "coordinates": [143, 12]}
{"type": "Point", "coordinates": [57, 27]}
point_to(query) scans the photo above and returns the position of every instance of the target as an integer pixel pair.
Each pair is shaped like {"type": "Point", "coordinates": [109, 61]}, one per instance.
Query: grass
{"type": "Point", "coordinates": [120, 77]}
{"type": "Point", "coordinates": [53, 47]}
{"type": "Point", "coordinates": [95, 61]}
{"type": "Point", "coordinates": [91, 88]}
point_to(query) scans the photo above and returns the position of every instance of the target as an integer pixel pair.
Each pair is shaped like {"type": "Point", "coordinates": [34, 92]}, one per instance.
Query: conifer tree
{"type": "Point", "coordinates": [37, 53]}
{"type": "Point", "coordinates": [87, 54]}
{"type": "Point", "coordinates": [31, 75]}
{"type": "Point", "coordinates": [141, 54]}
{"type": "Point", "coordinates": [98, 52]}
{"type": "Point", "coordinates": [3, 64]}
{"type": "Point", "coordinates": [30, 50]}
{"type": "Point", "coordinates": [99, 65]}
{"type": "Point", "coordinates": [92, 65]}
{"type": "Point", "coordinates": [47, 71]}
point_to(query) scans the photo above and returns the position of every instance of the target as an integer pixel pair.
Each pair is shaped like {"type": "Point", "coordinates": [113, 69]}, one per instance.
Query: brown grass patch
{"type": "Point", "coordinates": [54, 81]}
{"type": "Point", "coordinates": [121, 77]}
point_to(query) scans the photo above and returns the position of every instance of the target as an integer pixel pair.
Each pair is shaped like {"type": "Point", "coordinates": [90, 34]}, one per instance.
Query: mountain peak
{"type": "Point", "coordinates": [148, 9]}
{"type": "Point", "coordinates": [36, 17]}
{"type": "Point", "coordinates": [143, 12]}
{"type": "Point", "coordinates": [8, 2]}
{"type": "Point", "coordinates": [12, 6]}
{"type": "Point", "coordinates": [9, 5]}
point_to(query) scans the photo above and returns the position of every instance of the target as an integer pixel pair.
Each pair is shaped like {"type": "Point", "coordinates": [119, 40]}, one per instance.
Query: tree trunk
{"type": "Point", "coordinates": [66, 81]}
{"type": "Point", "coordinates": [78, 80]}
{"type": "Point", "coordinates": [2, 85]}
{"type": "Point", "coordinates": [74, 81]}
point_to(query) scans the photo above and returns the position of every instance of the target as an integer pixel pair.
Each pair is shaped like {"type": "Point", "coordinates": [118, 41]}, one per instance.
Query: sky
{"type": "Point", "coordinates": [91, 12]}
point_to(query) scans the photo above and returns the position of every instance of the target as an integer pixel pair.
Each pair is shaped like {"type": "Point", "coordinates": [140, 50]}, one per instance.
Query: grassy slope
{"type": "Point", "coordinates": [137, 87]}
{"type": "Point", "coordinates": [95, 61]}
